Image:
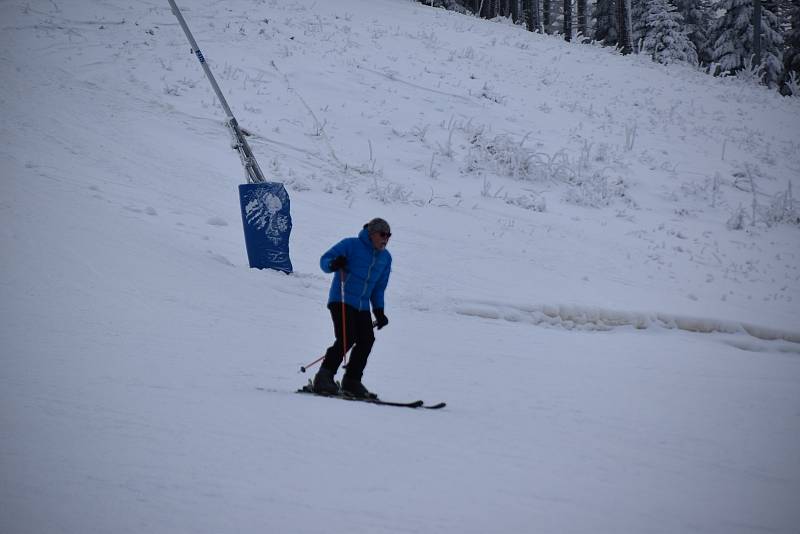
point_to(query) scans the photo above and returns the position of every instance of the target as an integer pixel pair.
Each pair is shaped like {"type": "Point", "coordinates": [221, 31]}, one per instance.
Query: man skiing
{"type": "Point", "coordinates": [362, 266]}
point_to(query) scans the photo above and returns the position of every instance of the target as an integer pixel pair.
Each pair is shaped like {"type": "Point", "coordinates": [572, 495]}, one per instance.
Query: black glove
{"type": "Point", "coordinates": [380, 317]}
{"type": "Point", "coordinates": [340, 262]}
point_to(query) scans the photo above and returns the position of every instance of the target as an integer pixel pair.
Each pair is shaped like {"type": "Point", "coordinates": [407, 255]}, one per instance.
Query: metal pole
{"type": "Point", "coordinates": [252, 170]}
{"type": "Point", "coordinates": [199, 54]}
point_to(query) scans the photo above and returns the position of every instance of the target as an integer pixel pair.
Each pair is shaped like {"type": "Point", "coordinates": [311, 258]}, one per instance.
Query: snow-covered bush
{"type": "Point", "coordinates": [750, 74]}
{"type": "Point", "coordinates": [531, 201]}
{"type": "Point", "coordinates": [595, 191]}
{"type": "Point", "coordinates": [389, 193]}
{"type": "Point", "coordinates": [489, 93]}
{"type": "Point", "coordinates": [507, 157]}
{"type": "Point", "coordinates": [792, 83]}
{"type": "Point", "coordinates": [782, 209]}
{"type": "Point", "coordinates": [737, 219]}
{"type": "Point", "coordinates": [500, 154]}
{"type": "Point", "coordinates": [558, 167]}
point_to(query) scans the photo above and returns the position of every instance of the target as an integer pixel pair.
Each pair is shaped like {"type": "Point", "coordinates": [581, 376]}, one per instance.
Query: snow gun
{"type": "Point", "coordinates": [264, 205]}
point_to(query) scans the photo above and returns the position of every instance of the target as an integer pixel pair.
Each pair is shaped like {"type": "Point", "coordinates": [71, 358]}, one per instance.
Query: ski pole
{"type": "Point", "coordinates": [344, 324]}
{"type": "Point", "coordinates": [304, 367]}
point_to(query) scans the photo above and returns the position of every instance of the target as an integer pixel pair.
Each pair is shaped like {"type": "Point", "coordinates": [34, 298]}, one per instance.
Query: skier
{"type": "Point", "coordinates": [361, 266]}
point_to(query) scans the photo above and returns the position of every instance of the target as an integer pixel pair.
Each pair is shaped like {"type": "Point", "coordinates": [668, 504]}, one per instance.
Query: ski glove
{"type": "Point", "coordinates": [380, 317]}
{"type": "Point", "coordinates": [340, 262]}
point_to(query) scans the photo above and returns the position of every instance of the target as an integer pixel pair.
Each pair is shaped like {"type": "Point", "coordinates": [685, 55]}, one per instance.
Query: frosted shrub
{"type": "Point", "coordinates": [750, 74]}
{"type": "Point", "coordinates": [389, 193]}
{"type": "Point", "coordinates": [782, 209]}
{"type": "Point", "coordinates": [557, 167]}
{"type": "Point", "coordinates": [737, 219]}
{"type": "Point", "coordinates": [793, 84]}
{"type": "Point", "coordinates": [488, 92]}
{"type": "Point", "coordinates": [501, 155]}
{"type": "Point", "coordinates": [595, 191]}
{"type": "Point", "coordinates": [532, 202]}
{"type": "Point", "coordinates": [507, 157]}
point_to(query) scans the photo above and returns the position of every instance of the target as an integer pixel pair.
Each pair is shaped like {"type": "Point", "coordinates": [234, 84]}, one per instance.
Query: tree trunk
{"type": "Point", "coordinates": [546, 15]}
{"type": "Point", "coordinates": [515, 11]}
{"type": "Point", "coordinates": [528, 13]}
{"type": "Point", "coordinates": [568, 20]}
{"type": "Point", "coordinates": [756, 32]}
{"type": "Point", "coordinates": [582, 18]}
{"type": "Point", "coordinates": [623, 27]}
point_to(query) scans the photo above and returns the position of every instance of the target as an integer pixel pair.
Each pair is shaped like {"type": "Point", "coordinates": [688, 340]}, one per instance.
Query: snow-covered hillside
{"type": "Point", "coordinates": [568, 275]}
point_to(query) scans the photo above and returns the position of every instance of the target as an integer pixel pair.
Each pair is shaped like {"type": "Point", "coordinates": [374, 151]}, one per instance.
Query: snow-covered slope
{"type": "Point", "coordinates": [614, 356]}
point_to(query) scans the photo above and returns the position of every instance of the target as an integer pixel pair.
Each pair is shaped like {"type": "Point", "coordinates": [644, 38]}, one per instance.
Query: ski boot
{"type": "Point", "coordinates": [354, 388]}
{"type": "Point", "coordinates": [323, 382]}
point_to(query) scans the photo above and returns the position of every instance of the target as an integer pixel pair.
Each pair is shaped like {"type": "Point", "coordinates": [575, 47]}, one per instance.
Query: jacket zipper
{"type": "Point", "coordinates": [366, 280]}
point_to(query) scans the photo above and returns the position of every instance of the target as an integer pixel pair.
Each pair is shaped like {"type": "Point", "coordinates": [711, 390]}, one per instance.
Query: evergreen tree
{"type": "Point", "coordinates": [582, 27]}
{"type": "Point", "coordinates": [791, 58]}
{"type": "Point", "coordinates": [606, 23]}
{"type": "Point", "coordinates": [515, 11]}
{"type": "Point", "coordinates": [532, 11]}
{"type": "Point", "coordinates": [664, 37]}
{"type": "Point", "coordinates": [733, 39]}
{"type": "Point", "coordinates": [639, 21]}
{"type": "Point", "coordinates": [546, 14]}
{"type": "Point", "coordinates": [568, 20]}
{"type": "Point", "coordinates": [623, 12]}
{"type": "Point", "coordinates": [697, 19]}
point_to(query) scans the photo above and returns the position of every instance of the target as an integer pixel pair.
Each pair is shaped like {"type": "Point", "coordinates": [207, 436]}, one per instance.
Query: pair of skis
{"type": "Point", "coordinates": [307, 389]}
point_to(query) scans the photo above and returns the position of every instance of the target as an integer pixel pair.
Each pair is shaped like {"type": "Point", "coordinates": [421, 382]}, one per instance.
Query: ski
{"type": "Point", "coordinates": [413, 404]}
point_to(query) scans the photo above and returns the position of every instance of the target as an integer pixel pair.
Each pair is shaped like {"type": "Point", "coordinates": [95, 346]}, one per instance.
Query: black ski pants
{"type": "Point", "coordinates": [360, 336]}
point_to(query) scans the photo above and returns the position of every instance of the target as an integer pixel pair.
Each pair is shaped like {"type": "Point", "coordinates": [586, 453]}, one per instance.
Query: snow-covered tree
{"type": "Point", "coordinates": [696, 21]}
{"type": "Point", "coordinates": [664, 36]}
{"type": "Point", "coordinates": [638, 20]}
{"type": "Point", "coordinates": [791, 58]}
{"type": "Point", "coordinates": [733, 39]}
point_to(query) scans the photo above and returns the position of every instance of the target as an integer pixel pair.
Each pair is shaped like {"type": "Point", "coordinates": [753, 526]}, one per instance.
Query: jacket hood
{"type": "Point", "coordinates": [363, 235]}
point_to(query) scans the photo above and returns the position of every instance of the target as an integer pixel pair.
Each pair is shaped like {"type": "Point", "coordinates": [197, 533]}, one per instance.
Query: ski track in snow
{"type": "Point", "coordinates": [598, 319]}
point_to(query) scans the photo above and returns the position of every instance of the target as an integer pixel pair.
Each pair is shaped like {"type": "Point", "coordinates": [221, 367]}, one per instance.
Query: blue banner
{"type": "Point", "coordinates": [267, 224]}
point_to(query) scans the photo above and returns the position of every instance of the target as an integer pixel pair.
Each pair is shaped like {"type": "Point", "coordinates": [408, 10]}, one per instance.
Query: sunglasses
{"type": "Point", "coordinates": [385, 235]}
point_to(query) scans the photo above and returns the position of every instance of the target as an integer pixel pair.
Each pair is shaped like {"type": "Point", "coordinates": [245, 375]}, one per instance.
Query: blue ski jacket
{"type": "Point", "coordinates": [367, 272]}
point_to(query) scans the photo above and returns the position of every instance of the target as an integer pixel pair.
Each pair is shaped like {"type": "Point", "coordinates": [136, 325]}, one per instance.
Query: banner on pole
{"type": "Point", "coordinates": [267, 225]}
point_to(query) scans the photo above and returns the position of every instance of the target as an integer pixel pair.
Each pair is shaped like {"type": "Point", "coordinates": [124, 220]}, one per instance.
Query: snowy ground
{"type": "Point", "coordinates": [614, 357]}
